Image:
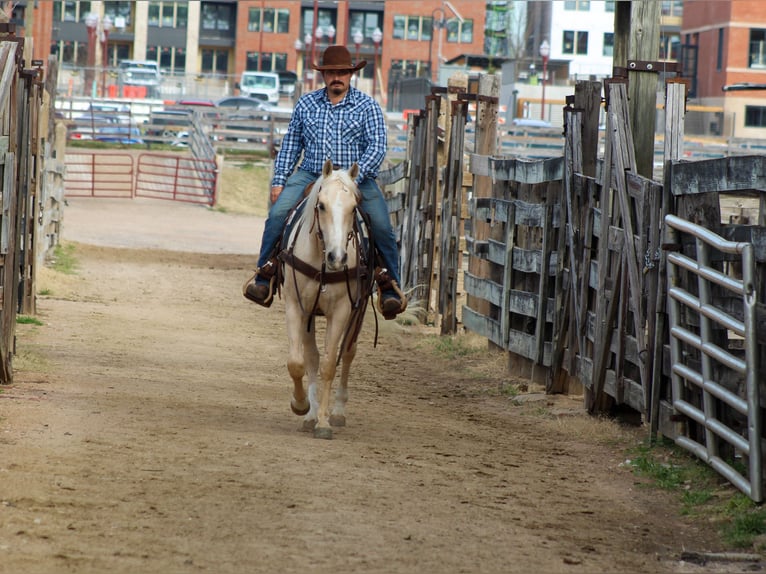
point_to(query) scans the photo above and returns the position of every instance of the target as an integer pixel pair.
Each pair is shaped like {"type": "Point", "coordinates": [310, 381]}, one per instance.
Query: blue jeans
{"type": "Point", "coordinates": [373, 204]}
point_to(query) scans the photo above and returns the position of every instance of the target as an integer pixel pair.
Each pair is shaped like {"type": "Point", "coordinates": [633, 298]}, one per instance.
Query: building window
{"type": "Point", "coordinates": [270, 62]}
{"type": "Point", "coordinates": [117, 52]}
{"type": "Point", "coordinates": [168, 14]}
{"type": "Point", "coordinates": [719, 51]}
{"type": "Point", "coordinates": [755, 117]}
{"type": "Point", "coordinates": [70, 11]}
{"type": "Point", "coordinates": [214, 61]}
{"type": "Point", "coordinates": [578, 5]}
{"type": "Point", "coordinates": [609, 44]}
{"type": "Point", "coordinates": [670, 47]}
{"type": "Point", "coordinates": [70, 54]}
{"type": "Point", "coordinates": [757, 49]}
{"type": "Point", "coordinates": [575, 43]}
{"type": "Point", "coordinates": [461, 32]}
{"type": "Point", "coordinates": [171, 59]}
{"type": "Point", "coordinates": [672, 8]}
{"type": "Point", "coordinates": [413, 27]}
{"type": "Point", "coordinates": [268, 20]}
{"type": "Point", "coordinates": [364, 22]}
{"type": "Point", "coordinates": [609, 6]}
{"type": "Point", "coordinates": [409, 69]}
{"type": "Point", "coordinates": [219, 17]}
{"type": "Point", "coordinates": [120, 13]}
{"type": "Point", "coordinates": [325, 19]}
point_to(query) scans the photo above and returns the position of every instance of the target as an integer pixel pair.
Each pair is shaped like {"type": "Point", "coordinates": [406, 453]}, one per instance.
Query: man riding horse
{"type": "Point", "coordinates": [345, 125]}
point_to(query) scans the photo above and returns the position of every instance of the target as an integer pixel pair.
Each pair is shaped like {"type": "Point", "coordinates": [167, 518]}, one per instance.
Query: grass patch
{"type": "Point", "coordinates": [702, 492]}
{"type": "Point", "coordinates": [27, 320]}
{"type": "Point", "coordinates": [452, 347]}
{"type": "Point", "coordinates": [64, 260]}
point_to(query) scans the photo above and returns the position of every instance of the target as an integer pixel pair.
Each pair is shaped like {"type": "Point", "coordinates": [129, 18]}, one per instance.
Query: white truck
{"type": "Point", "coordinates": [260, 85]}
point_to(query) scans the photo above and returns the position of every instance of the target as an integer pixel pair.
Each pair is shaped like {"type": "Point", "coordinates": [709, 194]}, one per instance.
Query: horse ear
{"type": "Point", "coordinates": [354, 171]}
{"type": "Point", "coordinates": [327, 168]}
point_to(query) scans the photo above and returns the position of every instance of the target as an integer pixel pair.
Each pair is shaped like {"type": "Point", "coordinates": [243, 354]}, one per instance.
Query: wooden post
{"type": "Point", "coordinates": [486, 144]}
{"type": "Point", "coordinates": [637, 37]}
{"type": "Point", "coordinates": [675, 106]}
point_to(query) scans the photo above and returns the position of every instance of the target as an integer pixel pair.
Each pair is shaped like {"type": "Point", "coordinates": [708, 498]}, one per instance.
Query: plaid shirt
{"type": "Point", "coordinates": [352, 130]}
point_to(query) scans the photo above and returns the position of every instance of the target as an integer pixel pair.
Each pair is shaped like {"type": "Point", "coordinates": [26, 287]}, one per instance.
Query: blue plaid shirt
{"type": "Point", "coordinates": [353, 130]}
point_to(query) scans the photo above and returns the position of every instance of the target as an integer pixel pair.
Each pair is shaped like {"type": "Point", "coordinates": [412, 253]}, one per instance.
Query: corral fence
{"type": "Point", "coordinates": [642, 294]}
{"type": "Point", "coordinates": [31, 179]}
{"type": "Point", "coordinates": [153, 175]}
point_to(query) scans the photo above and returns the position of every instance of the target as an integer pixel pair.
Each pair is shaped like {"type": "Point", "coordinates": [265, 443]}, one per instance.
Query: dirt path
{"type": "Point", "coordinates": [149, 431]}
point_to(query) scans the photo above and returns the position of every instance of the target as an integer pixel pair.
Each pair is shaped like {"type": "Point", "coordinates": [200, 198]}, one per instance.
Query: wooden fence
{"type": "Point", "coordinates": [30, 183]}
{"type": "Point", "coordinates": [566, 262]}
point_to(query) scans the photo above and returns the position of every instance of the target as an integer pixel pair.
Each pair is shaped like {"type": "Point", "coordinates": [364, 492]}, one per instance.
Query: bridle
{"type": "Point", "coordinates": [362, 269]}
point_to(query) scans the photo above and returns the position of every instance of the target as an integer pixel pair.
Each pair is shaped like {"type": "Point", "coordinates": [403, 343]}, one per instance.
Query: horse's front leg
{"type": "Point", "coordinates": [338, 414]}
{"type": "Point", "coordinates": [296, 366]}
{"type": "Point", "coordinates": [311, 359]}
{"type": "Point", "coordinates": [333, 335]}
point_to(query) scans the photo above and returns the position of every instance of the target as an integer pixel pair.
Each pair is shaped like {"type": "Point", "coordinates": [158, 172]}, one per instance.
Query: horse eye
{"type": "Point", "coordinates": [320, 206]}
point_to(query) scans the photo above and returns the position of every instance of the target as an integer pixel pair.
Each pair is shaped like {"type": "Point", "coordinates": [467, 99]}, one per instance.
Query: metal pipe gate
{"type": "Point", "coordinates": [696, 355]}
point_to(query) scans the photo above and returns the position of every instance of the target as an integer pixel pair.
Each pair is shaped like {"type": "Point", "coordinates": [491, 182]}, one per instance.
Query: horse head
{"type": "Point", "coordinates": [337, 197]}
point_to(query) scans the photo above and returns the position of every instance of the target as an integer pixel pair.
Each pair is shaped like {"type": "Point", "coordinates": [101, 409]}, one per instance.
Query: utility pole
{"type": "Point", "coordinates": [636, 54]}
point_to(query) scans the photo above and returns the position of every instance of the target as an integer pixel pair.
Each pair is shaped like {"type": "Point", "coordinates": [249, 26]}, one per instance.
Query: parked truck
{"type": "Point", "coordinates": [260, 85]}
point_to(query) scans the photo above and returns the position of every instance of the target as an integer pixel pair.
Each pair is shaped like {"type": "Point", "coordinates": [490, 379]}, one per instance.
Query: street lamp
{"type": "Point", "coordinates": [307, 42]}
{"type": "Point", "coordinates": [318, 33]}
{"type": "Point", "coordinates": [437, 25]}
{"type": "Point", "coordinates": [377, 36]}
{"type": "Point", "coordinates": [358, 39]}
{"type": "Point", "coordinates": [298, 45]}
{"type": "Point", "coordinates": [545, 51]}
{"type": "Point", "coordinates": [91, 24]}
{"type": "Point", "coordinates": [106, 27]}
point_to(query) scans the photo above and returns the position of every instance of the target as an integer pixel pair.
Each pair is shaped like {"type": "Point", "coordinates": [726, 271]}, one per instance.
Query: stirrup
{"type": "Point", "coordinates": [250, 286]}
{"type": "Point", "coordinates": [385, 282]}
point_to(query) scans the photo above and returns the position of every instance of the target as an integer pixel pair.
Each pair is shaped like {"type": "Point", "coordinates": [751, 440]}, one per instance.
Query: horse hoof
{"type": "Point", "coordinates": [322, 432]}
{"type": "Point", "coordinates": [308, 426]}
{"type": "Point", "coordinates": [338, 420]}
{"type": "Point", "coordinates": [298, 409]}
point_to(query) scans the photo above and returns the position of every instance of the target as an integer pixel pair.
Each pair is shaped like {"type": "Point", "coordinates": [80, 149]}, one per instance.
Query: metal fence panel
{"type": "Point", "coordinates": [701, 354]}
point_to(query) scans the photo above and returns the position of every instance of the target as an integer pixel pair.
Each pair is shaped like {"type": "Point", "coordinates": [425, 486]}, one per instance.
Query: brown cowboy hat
{"type": "Point", "coordinates": [338, 58]}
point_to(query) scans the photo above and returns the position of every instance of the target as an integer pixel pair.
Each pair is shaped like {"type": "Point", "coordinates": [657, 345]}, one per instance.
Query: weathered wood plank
{"type": "Point", "coordinates": [516, 169]}
{"type": "Point", "coordinates": [737, 173]}
{"type": "Point", "coordinates": [484, 326]}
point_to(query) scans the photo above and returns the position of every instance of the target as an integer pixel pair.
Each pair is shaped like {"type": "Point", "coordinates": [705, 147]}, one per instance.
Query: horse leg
{"type": "Point", "coordinates": [338, 414]}
{"type": "Point", "coordinates": [295, 362]}
{"type": "Point", "coordinates": [333, 335]}
{"type": "Point", "coordinates": [311, 358]}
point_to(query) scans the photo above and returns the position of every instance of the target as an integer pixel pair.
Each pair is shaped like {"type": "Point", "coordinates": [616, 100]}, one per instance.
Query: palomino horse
{"type": "Point", "coordinates": [327, 271]}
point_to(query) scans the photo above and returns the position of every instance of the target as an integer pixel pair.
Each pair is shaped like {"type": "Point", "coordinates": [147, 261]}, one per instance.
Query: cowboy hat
{"type": "Point", "coordinates": [338, 58]}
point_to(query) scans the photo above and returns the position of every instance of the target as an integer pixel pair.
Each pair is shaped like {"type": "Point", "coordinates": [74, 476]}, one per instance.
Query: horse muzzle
{"type": "Point", "coordinates": [336, 260]}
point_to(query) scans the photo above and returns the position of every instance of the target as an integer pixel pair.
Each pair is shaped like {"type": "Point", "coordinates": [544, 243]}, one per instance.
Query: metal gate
{"type": "Point", "coordinates": [714, 353]}
{"type": "Point", "coordinates": [92, 174]}
{"type": "Point", "coordinates": [180, 178]}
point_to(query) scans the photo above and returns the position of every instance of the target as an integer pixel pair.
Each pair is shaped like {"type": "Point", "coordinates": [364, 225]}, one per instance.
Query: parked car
{"type": "Point", "coordinates": [119, 134]}
{"type": "Point", "coordinates": [168, 123]}
{"type": "Point", "coordinates": [86, 126]}
{"type": "Point", "coordinates": [242, 102]}
{"type": "Point", "coordinates": [287, 82]}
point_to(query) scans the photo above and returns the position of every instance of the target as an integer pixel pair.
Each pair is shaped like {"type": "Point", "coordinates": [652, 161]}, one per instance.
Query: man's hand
{"type": "Point", "coordinates": [275, 191]}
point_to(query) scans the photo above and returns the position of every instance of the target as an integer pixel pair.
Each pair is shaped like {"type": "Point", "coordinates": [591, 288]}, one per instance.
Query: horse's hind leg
{"type": "Point", "coordinates": [338, 414]}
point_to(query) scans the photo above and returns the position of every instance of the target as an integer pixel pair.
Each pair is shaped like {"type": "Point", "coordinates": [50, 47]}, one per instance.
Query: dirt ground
{"type": "Point", "coordinates": [148, 430]}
